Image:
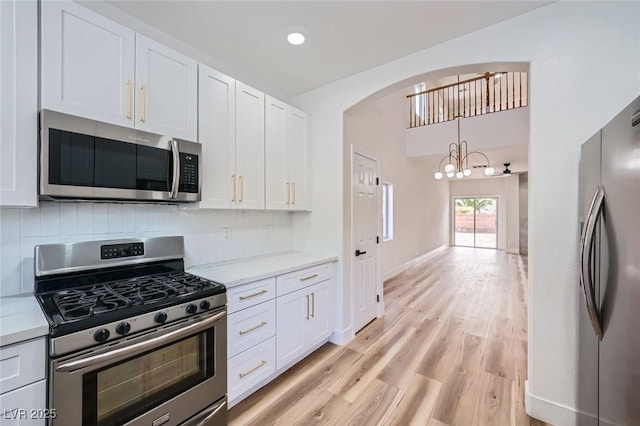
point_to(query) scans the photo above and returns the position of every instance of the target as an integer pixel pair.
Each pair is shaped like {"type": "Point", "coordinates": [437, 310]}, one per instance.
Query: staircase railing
{"type": "Point", "coordinates": [489, 93]}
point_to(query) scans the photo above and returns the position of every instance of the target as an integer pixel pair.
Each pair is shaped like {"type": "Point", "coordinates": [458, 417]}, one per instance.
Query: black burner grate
{"type": "Point", "coordinates": [88, 301]}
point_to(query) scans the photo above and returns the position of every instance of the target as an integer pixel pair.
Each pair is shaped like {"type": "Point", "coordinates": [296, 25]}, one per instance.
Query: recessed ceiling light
{"type": "Point", "coordinates": [296, 38]}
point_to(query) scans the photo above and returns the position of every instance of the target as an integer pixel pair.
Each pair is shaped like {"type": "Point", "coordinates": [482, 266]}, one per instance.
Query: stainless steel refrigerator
{"type": "Point", "coordinates": [608, 387]}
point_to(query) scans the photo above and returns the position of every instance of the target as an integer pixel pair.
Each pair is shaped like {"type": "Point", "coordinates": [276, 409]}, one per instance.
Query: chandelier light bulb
{"type": "Point", "coordinates": [467, 172]}
{"type": "Point", "coordinates": [489, 171]}
{"type": "Point", "coordinates": [450, 174]}
{"type": "Point", "coordinates": [459, 175]}
{"type": "Point", "coordinates": [449, 168]}
{"type": "Point", "coordinates": [437, 175]}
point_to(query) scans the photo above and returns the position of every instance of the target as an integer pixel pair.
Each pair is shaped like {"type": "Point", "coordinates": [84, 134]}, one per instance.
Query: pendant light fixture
{"type": "Point", "coordinates": [458, 157]}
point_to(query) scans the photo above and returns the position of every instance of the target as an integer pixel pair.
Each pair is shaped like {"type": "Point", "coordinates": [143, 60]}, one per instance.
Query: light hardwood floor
{"type": "Point", "coordinates": [451, 349]}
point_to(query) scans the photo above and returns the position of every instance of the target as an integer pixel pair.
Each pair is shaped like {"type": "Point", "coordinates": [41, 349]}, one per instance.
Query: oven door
{"type": "Point", "coordinates": [162, 377]}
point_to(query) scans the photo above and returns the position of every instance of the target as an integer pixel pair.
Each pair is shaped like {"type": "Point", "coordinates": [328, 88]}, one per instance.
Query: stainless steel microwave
{"type": "Point", "coordinates": [82, 159]}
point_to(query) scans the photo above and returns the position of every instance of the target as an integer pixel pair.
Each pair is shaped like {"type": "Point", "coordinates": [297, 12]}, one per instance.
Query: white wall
{"type": "Point", "coordinates": [570, 46]}
{"type": "Point", "coordinates": [510, 127]}
{"type": "Point", "coordinates": [22, 229]}
{"type": "Point", "coordinates": [420, 203]}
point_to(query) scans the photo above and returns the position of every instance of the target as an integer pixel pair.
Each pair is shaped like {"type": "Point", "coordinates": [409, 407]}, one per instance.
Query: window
{"type": "Point", "coordinates": [387, 211]}
{"type": "Point", "coordinates": [420, 106]}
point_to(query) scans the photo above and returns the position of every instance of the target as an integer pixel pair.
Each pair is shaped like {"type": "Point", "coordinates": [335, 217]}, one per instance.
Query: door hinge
{"type": "Point", "coordinates": [377, 240]}
{"type": "Point", "coordinates": [378, 298]}
{"type": "Point", "coordinates": [377, 181]}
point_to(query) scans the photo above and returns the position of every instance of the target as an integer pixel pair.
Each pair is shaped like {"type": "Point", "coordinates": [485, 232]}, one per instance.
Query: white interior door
{"type": "Point", "coordinates": [365, 216]}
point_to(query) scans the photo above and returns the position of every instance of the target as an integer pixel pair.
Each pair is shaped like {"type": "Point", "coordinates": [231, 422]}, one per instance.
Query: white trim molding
{"type": "Point", "coordinates": [556, 414]}
{"type": "Point", "coordinates": [428, 255]}
{"type": "Point", "coordinates": [342, 337]}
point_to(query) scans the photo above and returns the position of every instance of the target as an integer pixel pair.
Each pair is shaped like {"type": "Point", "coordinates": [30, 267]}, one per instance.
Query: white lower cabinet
{"type": "Point", "coordinates": [250, 368]}
{"type": "Point", "coordinates": [274, 323]}
{"type": "Point", "coordinates": [23, 388]}
{"type": "Point", "coordinates": [303, 322]}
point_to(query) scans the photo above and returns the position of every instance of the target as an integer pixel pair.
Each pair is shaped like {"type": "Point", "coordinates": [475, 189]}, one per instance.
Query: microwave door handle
{"type": "Point", "coordinates": [138, 348]}
{"type": "Point", "coordinates": [175, 153]}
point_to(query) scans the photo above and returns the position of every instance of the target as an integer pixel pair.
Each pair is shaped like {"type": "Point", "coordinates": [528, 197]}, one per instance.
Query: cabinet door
{"type": "Point", "coordinates": [318, 328]}
{"type": "Point", "coordinates": [249, 147]}
{"type": "Point", "coordinates": [293, 313]}
{"type": "Point", "coordinates": [18, 103]}
{"type": "Point", "coordinates": [298, 158]}
{"type": "Point", "coordinates": [87, 64]}
{"type": "Point", "coordinates": [277, 184]}
{"type": "Point", "coordinates": [217, 134]}
{"type": "Point", "coordinates": [16, 405]}
{"type": "Point", "coordinates": [166, 91]}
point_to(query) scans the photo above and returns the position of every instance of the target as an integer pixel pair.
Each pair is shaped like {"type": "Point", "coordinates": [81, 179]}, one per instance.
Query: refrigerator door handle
{"type": "Point", "coordinates": [587, 242]}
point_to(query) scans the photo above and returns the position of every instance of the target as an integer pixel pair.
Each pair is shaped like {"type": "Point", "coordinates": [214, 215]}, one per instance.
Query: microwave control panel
{"type": "Point", "coordinates": [188, 173]}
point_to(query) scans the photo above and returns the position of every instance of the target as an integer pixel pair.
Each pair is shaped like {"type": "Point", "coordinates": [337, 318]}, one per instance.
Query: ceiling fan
{"type": "Point", "coordinates": [506, 171]}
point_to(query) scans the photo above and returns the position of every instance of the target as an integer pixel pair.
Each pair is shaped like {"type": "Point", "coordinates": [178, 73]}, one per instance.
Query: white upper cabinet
{"type": "Point", "coordinates": [287, 157]}
{"type": "Point", "coordinates": [217, 131]}
{"type": "Point", "coordinates": [18, 103]}
{"type": "Point", "coordinates": [167, 91]}
{"type": "Point", "coordinates": [277, 181]}
{"type": "Point", "coordinates": [249, 176]}
{"type": "Point", "coordinates": [95, 68]}
{"type": "Point", "coordinates": [87, 64]}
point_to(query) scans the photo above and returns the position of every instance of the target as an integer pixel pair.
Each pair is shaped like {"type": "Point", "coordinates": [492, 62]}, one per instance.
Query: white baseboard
{"type": "Point", "coordinates": [342, 337]}
{"type": "Point", "coordinates": [428, 255]}
{"type": "Point", "coordinates": [554, 413]}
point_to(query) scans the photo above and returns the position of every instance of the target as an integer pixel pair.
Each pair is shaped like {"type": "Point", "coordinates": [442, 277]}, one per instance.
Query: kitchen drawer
{"type": "Point", "coordinates": [251, 367]}
{"type": "Point", "coordinates": [250, 294]}
{"type": "Point", "coordinates": [25, 406]}
{"type": "Point", "coordinates": [296, 280]}
{"type": "Point", "coordinates": [250, 327]}
{"type": "Point", "coordinates": [21, 364]}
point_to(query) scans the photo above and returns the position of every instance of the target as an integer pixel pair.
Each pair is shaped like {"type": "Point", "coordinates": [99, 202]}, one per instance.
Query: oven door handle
{"type": "Point", "coordinates": [141, 347]}
{"type": "Point", "coordinates": [175, 153]}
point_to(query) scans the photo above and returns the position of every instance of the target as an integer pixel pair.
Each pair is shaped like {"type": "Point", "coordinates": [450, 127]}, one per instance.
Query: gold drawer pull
{"type": "Point", "coordinates": [310, 277]}
{"type": "Point", "coordinates": [245, 374]}
{"type": "Point", "coordinates": [255, 327]}
{"type": "Point", "coordinates": [249, 296]}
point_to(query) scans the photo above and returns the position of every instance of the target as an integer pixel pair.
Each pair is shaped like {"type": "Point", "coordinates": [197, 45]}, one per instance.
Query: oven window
{"type": "Point", "coordinates": [121, 392]}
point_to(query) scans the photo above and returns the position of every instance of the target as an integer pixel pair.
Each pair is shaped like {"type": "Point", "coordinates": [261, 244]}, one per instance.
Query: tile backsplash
{"type": "Point", "coordinates": [210, 235]}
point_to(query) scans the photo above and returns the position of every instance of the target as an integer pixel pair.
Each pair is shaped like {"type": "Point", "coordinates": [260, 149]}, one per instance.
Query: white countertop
{"type": "Point", "coordinates": [21, 318]}
{"type": "Point", "coordinates": [242, 271]}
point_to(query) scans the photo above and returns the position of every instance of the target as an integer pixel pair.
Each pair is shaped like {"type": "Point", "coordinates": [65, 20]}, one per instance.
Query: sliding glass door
{"type": "Point", "coordinates": [476, 222]}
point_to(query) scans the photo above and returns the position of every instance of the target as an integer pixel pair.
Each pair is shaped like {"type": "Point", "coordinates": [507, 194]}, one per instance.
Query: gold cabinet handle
{"type": "Point", "coordinates": [288, 193]}
{"type": "Point", "coordinates": [129, 87]}
{"type": "Point", "coordinates": [307, 298]}
{"type": "Point", "coordinates": [241, 178]}
{"type": "Point", "coordinates": [246, 373]}
{"type": "Point", "coordinates": [309, 277]}
{"type": "Point", "coordinates": [255, 327]}
{"type": "Point", "coordinates": [143, 104]}
{"type": "Point", "coordinates": [249, 296]}
{"type": "Point", "coordinates": [233, 191]}
{"type": "Point", "coordinates": [293, 186]}
{"type": "Point", "coordinates": [313, 305]}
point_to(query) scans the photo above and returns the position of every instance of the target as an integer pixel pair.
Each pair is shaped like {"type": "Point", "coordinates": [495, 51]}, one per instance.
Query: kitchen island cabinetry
{"type": "Point", "coordinates": [279, 312]}
{"type": "Point", "coordinates": [19, 103]}
{"type": "Point", "coordinates": [95, 68]}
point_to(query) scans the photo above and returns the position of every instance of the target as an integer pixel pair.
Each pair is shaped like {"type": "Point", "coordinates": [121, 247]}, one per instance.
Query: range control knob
{"type": "Point", "coordinates": [204, 305]}
{"type": "Point", "coordinates": [191, 308]}
{"type": "Point", "coordinates": [123, 328]}
{"type": "Point", "coordinates": [101, 335]}
{"type": "Point", "coordinates": [160, 317]}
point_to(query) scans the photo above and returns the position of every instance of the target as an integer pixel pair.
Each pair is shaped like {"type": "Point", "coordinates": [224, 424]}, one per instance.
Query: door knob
{"type": "Point", "coordinates": [358, 252]}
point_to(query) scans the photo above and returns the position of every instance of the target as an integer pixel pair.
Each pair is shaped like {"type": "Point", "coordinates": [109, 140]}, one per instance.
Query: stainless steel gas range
{"type": "Point", "coordinates": [134, 340]}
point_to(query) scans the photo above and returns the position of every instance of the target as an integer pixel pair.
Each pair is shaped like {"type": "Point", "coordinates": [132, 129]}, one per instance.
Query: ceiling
{"type": "Point", "coordinates": [343, 37]}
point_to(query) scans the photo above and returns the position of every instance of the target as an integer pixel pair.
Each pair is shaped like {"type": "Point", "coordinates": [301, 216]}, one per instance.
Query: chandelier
{"type": "Point", "coordinates": [458, 160]}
